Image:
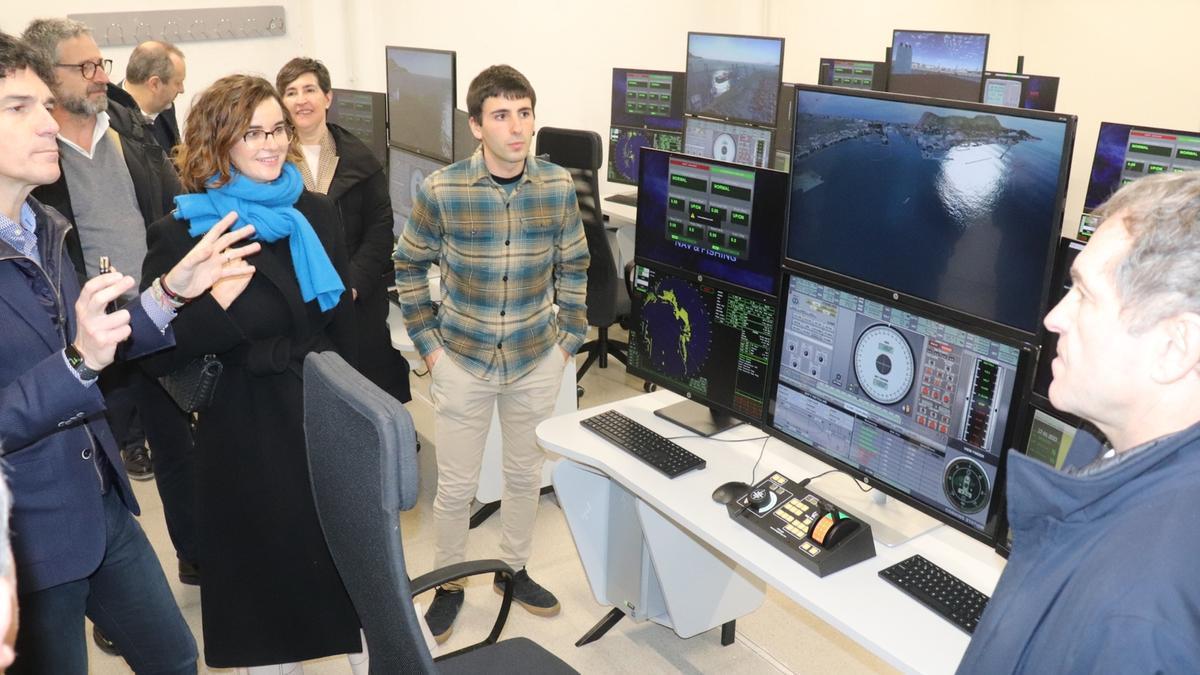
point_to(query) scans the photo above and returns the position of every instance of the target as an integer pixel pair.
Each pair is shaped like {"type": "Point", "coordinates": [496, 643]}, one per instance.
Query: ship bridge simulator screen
{"type": "Point", "coordinates": [734, 77]}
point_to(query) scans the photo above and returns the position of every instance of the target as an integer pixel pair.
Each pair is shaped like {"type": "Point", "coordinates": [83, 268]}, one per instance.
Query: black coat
{"type": "Point", "coordinates": [360, 190]}
{"type": "Point", "coordinates": [164, 129]}
{"type": "Point", "coordinates": [271, 593]}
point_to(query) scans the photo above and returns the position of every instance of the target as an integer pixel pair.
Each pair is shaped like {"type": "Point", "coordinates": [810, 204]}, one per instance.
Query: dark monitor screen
{"type": "Point", "coordinates": [854, 74]}
{"type": "Point", "coordinates": [1035, 92]}
{"type": "Point", "coordinates": [703, 339]}
{"type": "Point", "coordinates": [625, 145]}
{"type": "Point", "coordinates": [1060, 284]}
{"type": "Point", "coordinates": [734, 77]}
{"type": "Point", "coordinates": [728, 142]}
{"type": "Point", "coordinates": [364, 114]}
{"type": "Point", "coordinates": [919, 406]}
{"type": "Point", "coordinates": [959, 206]}
{"type": "Point", "coordinates": [647, 98]}
{"type": "Point", "coordinates": [717, 219]}
{"type": "Point", "coordinates": [784, 125]}
{"type": "Point", "coordinates": [932, 63]}
{"type": "Point", "coordinates": [420, 89]}
{"type": "Point", "coordinates": [406, 170]}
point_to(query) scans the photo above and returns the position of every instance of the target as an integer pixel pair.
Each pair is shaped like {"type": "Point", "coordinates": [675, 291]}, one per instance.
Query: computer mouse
{"type": "Point", "coordinates": [730, 492]}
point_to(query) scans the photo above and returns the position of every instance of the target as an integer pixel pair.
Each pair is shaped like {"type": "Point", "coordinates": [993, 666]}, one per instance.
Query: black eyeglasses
{"type": "Point", "coordinates": [88, 68]}
{"type": "Point", "coordinates": [259, 136]}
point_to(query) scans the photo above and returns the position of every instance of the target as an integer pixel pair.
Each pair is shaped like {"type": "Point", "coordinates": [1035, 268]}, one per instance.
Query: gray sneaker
{"type": "Point", "coordinates": [529, 594]}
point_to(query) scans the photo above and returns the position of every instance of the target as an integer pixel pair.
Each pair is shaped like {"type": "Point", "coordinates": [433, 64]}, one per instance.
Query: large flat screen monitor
{"type": "Point", "coordinates": [715, 219]}
{"type": "Point", "coordinates": [1126, 152]}
{"type": "Point", "coordinates": [734, 77]}
{"type": "Point", "coordinates": [728, 142]}
{"type": "Point", "coordinates": [406, 170]}
{"type": "Point", "coordinates": [957, 204]}
{"type": "Point", "coordinates": [364, 114]}
{"type": "Point", "coordinates": [932, 63]}
{"type": "Point", "coordinates": [853, 74]}
{"type": "Point", "coordinates": [1035, 92]}
{"type": "Point", "coordinates": [916, 404]}
{"type": "Point", "coordinates": [464, 140]}
{"type": "Point", "coordinates": [1060, 285]}
{"type": "Point", "coordinates": [420, 89]}
{"type": "Point", "coordinates": [704, 339]}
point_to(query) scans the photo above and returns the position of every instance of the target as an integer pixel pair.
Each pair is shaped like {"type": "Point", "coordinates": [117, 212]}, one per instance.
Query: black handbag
{"type": "Point", "coordinates": [192, 386]}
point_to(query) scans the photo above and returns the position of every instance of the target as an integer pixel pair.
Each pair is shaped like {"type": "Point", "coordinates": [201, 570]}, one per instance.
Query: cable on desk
{"type": "Point", "coordinates": [761, 452]}
{"type": "Point", "coordinates": [806, 481]}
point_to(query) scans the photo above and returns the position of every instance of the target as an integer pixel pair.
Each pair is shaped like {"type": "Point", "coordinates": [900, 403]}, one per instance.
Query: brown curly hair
{"type": "Point", "coordinates": [219, 117]}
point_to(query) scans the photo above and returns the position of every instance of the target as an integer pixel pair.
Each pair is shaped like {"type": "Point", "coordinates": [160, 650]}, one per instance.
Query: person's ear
{"type": "Point", "coordinates": [1178, 338]}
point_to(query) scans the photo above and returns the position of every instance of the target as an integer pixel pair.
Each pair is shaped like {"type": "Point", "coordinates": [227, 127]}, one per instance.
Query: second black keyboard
{"type": "Point", "coordinates": [937, 589]}
{"type": "Point", "coordinates": [644, 443]}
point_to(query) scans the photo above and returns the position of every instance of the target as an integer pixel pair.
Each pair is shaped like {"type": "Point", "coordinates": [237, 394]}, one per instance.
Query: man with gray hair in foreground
{"type": "Point", "coordinates": [1102, 575]}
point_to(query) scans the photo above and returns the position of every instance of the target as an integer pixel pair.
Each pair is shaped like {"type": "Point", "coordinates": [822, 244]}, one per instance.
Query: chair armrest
{"type": "Point", "coordinates": [471, 568]}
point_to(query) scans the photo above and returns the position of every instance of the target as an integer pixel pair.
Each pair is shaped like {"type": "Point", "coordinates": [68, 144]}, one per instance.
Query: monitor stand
{"type": "Point", "coordinates": [698, 419]}
{"type": "Point", "coordinates": [892, 521]}
{"type": "Point", "coordinates": [626, 198]}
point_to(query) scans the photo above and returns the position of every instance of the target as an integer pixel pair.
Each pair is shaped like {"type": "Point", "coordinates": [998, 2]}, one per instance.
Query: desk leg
{"type": "Point", "coordinates": [487, 509]}
{"type": "Point", "coordinates": [596, 632]}
{"type": "Point", "coordinates": [728, 632]}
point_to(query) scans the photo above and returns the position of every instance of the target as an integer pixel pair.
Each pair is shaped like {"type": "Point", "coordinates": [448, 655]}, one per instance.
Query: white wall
{"type": "Point", "coordinates": [1115, 64]}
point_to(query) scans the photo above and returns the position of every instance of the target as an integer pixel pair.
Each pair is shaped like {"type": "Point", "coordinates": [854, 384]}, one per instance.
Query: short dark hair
{"type": "Point", "coordinates": [16, 55]}
{"type": "Point", "coordinates": [152, 58]}
{"type": "Point", "coordinates": [501, 81]}
{"type": "Point", "coordinates": [299, 66]}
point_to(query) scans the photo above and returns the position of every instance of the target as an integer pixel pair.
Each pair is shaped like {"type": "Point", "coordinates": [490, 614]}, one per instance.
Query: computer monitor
{"type": "Point", "coordinates": [1060, 284]}
{"type": "Point", "coordinates": [1125, 152]}
{"type": "Point", "coordinates": [1048, 438]}
{"type": "Point", "coordinates": [625, 145]}
{"type": "Point", "coordinates": [650, 99]}
{"type": "Point", "coordinates": [703, 339]}
{"type": "Point", "coordinates": [853, 73]}
{"type": "Point", "coordinates": [406, 170]}
{"type": "Point", "coordinates": [957, 204]}
{"type": "Point", "coordinates": [364, 114]}
{"type": "Point", "coordinates": [734, 77]}
{"type": "Point", "coordinates": [420, 89]}
{"type": "Point", "coordinates": [1035, 92]}
{"type": "Point", "coordinates": [784, 125]}
{"type": "Point", "coordinates": [933, 63]}
{"type": "Point", "coordinates": [728, 142]}
{"type": "Point", "coordinates": [464, 140]}
{"type": "Point", "coordinates": [915, 403]}
{"type": "Point", "coordinates": [715, 219]}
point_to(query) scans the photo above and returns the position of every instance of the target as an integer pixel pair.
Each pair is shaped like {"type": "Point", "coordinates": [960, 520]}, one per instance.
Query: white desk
{"type": "Point", "coordinates": [690, 542]}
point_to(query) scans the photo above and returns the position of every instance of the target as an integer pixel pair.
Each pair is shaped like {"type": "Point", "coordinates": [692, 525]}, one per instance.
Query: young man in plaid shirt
{"type": "Point", "coordinates": [505, 230]}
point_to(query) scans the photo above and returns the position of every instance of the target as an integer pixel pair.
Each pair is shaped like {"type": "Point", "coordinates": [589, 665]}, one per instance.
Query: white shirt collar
{"type": "Point", "coordinates": [97, 133]}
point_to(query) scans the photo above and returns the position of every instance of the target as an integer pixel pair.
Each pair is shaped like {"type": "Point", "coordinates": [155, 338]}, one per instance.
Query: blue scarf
{"type": "Point", "coordinates": [269, 207]}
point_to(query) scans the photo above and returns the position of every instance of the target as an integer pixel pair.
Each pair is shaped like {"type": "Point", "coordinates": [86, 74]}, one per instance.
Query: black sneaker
{"type": "Point", "coordinates": [189, 572]}
{"type": "Point", "coordinates": [103, 642]}
{"type": "Point", "coordinates": [529, 594]}
{"type": "Point", "coordinates": [442, 613]}
{"type": "Point", "coordinates": [137, 462]}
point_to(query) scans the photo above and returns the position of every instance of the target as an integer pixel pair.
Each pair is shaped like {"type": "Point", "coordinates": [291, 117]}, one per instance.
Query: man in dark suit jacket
{"type": "Point", "coordinates": [77, 547]}
{"type": "Point", "coordinates": [153, 80]}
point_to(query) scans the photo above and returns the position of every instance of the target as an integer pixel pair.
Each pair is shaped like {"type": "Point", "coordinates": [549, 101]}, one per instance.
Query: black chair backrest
{"type": "Point", "coordinates": [362, 462]}
{"type": "Point", "coordinates": [582, 154]}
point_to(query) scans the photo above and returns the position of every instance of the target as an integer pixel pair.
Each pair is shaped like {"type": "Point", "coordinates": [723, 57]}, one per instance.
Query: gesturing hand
{"type": "Point", "coordinates": [97, 333]}
{"type": "Point", "coordinates": [212, 259]}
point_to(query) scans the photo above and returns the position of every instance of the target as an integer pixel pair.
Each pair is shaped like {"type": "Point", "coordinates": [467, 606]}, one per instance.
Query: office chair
{"type": "Point", "coordinates": [581, 153]}
{"type": "Point", "coordinates": [361, 447]}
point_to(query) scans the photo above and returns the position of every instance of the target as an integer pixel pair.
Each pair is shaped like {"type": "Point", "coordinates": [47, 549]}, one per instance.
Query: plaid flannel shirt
{"type": "Point", "coordinates": [505, 260]}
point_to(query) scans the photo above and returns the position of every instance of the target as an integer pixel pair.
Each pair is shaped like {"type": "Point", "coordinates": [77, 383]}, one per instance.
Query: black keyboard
{"type": "Point", "coordinates": [938, 590]}
{"type": "Point", "coordinates": [648, 446]}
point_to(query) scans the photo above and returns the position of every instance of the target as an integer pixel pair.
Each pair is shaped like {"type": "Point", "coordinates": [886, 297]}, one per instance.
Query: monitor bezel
{"type": "Point", "coordinates": [708, 115]}
{"type": "Point", "coordinates": [982, 67]}
{"type": "Point", "coordinates": [376, 98]}
{"type": "Point", "coordinates": [1055, 231]}
{"type": "Point", "coordinates": [1015, 417]}
{"type": "Point", "coordinates": [665, 383]}
{"type": "Point", "coordinates": [887, 69]}
{"type": "Point", "coordinates": [453, 100]}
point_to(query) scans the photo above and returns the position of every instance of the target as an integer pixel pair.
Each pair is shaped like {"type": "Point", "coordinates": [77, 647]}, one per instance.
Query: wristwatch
{"type": "Point", "coordinates": [75, 360]}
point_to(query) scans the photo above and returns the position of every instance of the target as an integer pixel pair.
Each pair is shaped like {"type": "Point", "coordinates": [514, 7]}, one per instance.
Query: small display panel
{"type": "Point", "coordinates": [364, 114]}
{"type": "Point", "coordinates": [406, 170]}
{"type": "Point", "coordinates": [728, 142]}
{"type": "Point", "coordinates": [734, 77]}
{"type": "Point", "coordinates": [1049, 438]}
{"type": "Point", "coordinates": [932, 63]}
{"type": "Point", "coordinates": [853, 74]}
{"type": "Point", "coordinates": [1033, 92]}
{"type": "Point", "coordinates": [625, 145]}
{"type": "Point", "coordinates": [647, 98]}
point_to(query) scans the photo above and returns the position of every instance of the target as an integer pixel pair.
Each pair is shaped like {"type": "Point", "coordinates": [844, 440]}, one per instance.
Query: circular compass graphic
{"type": "Point", "coordinates": [966, 485]}
{"type": "Point", "coordinates": [884, 364]}
{"type": "Point", "coordinates": [724, 148]}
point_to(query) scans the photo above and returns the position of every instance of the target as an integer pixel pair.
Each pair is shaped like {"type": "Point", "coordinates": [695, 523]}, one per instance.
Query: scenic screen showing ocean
{"type": "Point", "coordinates": [960, 207]}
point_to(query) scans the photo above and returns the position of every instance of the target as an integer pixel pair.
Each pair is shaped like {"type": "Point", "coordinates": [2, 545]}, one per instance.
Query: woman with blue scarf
{"type": "Point", "coordinates": [269, 591]}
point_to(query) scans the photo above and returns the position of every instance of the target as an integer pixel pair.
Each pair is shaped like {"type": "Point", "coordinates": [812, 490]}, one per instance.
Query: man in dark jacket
{"type": "Point", "coordinates": [153, 80]}
{"type": "Point", "coordinates": [115, 181]}
{"type": "Point", "coordinates": [1102, 575]}
{"type": "Point", "coordinates": [78, 550]}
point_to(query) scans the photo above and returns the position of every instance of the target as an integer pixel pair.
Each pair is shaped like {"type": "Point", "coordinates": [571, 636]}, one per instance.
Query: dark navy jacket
{"type": "Point", "coordinates": [1104, 575]}
{"type": "Point", "coordinates": [50, 424]}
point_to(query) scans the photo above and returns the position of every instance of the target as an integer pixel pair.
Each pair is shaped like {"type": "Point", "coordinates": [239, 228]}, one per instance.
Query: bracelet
{"type": "Point", "coordinates": [173, 297]}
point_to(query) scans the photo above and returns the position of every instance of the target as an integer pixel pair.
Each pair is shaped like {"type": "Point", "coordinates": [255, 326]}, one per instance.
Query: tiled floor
{"type": "Point", "coordinates": [778, 637]}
